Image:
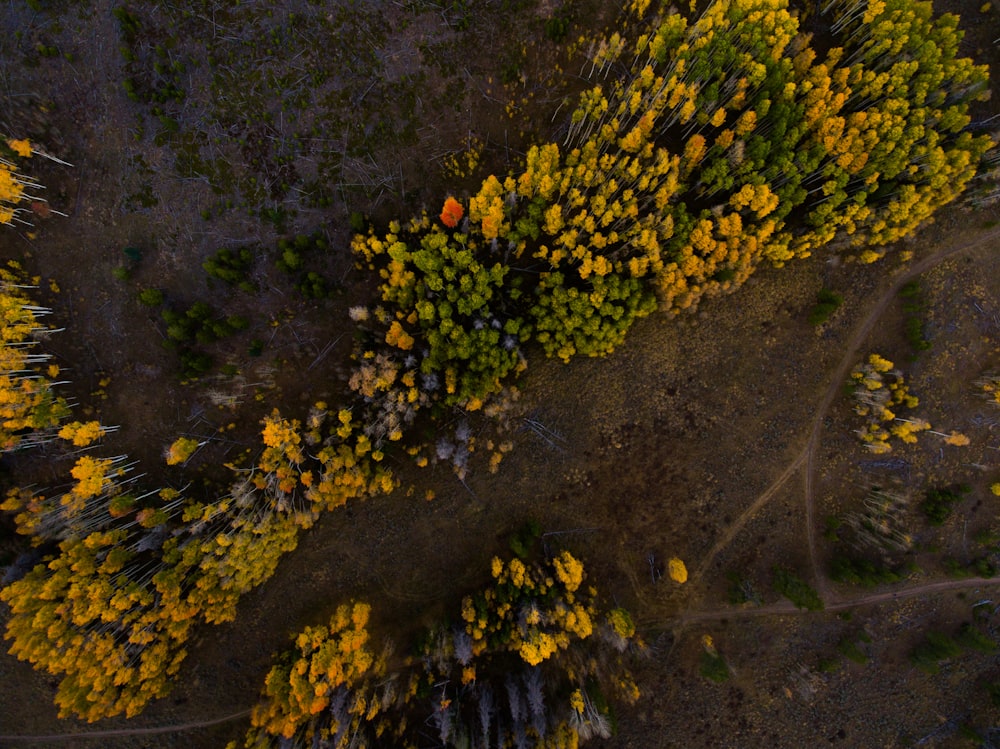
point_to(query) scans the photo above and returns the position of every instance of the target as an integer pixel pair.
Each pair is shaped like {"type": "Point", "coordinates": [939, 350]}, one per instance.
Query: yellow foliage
{"type": "Point", "coordinates": [82, 434]}
{"type": "Point", "coordinates": [181, 449]}
{"type": "Point", "coordinates": [677, 570]}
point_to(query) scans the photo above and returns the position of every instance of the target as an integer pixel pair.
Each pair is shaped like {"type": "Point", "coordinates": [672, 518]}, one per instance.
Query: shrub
{"type": "Point", "coordinates": [232, 267]}
{"type": "Point", "coordinates": [151, 297]}
{"type": "Point", "coordinates": [857, 571]}
{"type": "Point", "coordinates": [827, 302]}
{"type": "Point", "coordinates": [971, 638]}
{"type": "Point", "coordinates": [714, 667]}
{"type": "Point", "coordinates": [937, 504]}
{"type": "Point", "coordinates": [927, 656]}
{"type": "Point", "coordinates": [796, 590]}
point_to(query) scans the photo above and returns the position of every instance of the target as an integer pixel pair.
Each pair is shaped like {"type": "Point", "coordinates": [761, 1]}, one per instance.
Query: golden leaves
{"type": "Point", "coordinates": [677, 570]}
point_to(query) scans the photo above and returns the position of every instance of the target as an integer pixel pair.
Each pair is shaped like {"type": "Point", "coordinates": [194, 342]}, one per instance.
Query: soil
{"type": "Point", "coordinates": [723, 437]}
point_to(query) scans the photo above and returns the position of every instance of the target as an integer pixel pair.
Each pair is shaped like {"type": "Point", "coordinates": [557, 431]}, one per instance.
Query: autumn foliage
{"type": "Point", "coordinates": [530, 650]}
{"type": "Point", "coordinates": [451, 213]}
{"type": "Point", "coordinates": [129, 572]}
{"type": "Point", "coordinates": [703, 149]}
{"type": "Point", "coordinates": [15, 188]}
{"type": "Point", "coordinates": [30, 410]}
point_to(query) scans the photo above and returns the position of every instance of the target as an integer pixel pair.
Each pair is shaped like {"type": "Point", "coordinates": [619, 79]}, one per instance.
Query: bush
{"type": "Point", "coordinates": [863, 572]}
{"type": "Point", "coordinates": [796, 590]}
{"type": "Point", "coordinates": [151, 297]}
{"type": "Point", "coordinates": [714, 667]}
{"type": "Point", "coordinates": [937, 504]}
{"type": "Point", "coordinates": [927, 656]}
{"type": "Point", "coordinates": [232, 267]}
{"type": "Point", "coordinates": [850, 650]}
{"type": "Point", "coordinates": [971, 638]}
{"type": "Point", "coordinates": [827, 302]}
{"type": "Point", "coordinates": [522, 542]}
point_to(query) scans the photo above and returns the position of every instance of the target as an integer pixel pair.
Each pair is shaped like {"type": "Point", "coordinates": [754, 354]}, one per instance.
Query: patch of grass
{"type": "Point", "coordinates": [850, 649]}
{"type": "Point", "coordinates": [971, 638]}
{"type": "Point", "coordinates": [714, 667]}
{"type": "Point", "coordinates": [937, 647]}
{"type": "Point", "coordinates": [796, 590]}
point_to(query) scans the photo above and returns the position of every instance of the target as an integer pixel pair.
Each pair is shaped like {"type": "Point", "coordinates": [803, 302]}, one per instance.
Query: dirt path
{"type": "Point", "coordinates": [840, 376]}
{"type": "Point", "coordinates": [805, 460]}
{"type": "Point", "coordinates": [177, 728]}
{"type": "Point", "coordinates": [784, 608]}
{"type": "Point", "coordinates": [808, 454]}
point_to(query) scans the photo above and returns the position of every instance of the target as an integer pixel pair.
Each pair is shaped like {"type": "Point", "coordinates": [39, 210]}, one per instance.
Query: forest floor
{"type": "Point", "coordinates": [724, 437]}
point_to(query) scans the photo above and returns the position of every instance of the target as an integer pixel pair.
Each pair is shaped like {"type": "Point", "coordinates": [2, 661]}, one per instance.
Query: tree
{"type": "Point", "coordinates": [29, 408]}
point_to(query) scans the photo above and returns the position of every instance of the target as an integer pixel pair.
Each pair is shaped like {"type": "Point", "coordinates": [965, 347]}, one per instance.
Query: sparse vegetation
{"type": "Point", "coordinates": [706, 141]}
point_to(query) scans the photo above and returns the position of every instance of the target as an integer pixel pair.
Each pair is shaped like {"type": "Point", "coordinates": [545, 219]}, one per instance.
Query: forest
{"type": "Point", "coordinates": [293, 455]}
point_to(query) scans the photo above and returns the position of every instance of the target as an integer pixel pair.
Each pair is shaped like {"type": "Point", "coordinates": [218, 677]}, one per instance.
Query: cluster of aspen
{"type": "Point", "coordinates": [129, 572]}
{"type": "Point", "coordinates": [30, 410]}
{"type": "Point", "coordinates": [704, 148]}
{"type": "Point", "coordinates": [878, 388]}
{"type": "Point", "coordinates": [125, 572]}
{"type": "Point", "coordinates": [471, 685]}
{"type": "Point", "coordinates": [879, 391]}
{"type": "Point", "coordinates": [15, 187]}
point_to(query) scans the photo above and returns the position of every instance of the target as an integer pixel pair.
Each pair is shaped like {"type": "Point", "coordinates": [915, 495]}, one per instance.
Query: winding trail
{"type": "Point", "coordinates": [785, 608]}
{"type": "Point", "coordinates": [840, 376]}
{"type": "Point", "coordinates": [806, 458]}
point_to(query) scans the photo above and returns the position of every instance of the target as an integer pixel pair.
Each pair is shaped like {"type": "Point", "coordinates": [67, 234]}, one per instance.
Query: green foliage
{"type": "Point", "coordinates": [992, 688]}
{"type": "Point", "coordinates": [850, 649]}
{"type": "Point", "coordinates": [913, 323]}
{"type": "Point", "coordinates": [713, 667]}
{"type": "Point", "coordinates": [589, 318]}
{"type": "Point", "coordinates": [970, 638]}
{"type": "Point", "coordinates": [827, 302]}
{"type": "Point", "coordinates": [448, 310]}
{"type": "Point", "coordinates": [151, 297]}
{"type": "Point", "coordinates": [232, 266]}
{"type": "Point", "coordinates": [863, 572]}
{"type": "Point", "coordinates": [795, 589]}
{"type": "Point", "coordinates": [937, 647]}
{"type": "Point", "coordinates": [293, 258]}
{"type": "Point", "coordinates": [197, 326]}
{"type": "Point", "coordinates": [522, 542]}
{"type": "Point", "coordinates": [938, 503]}
{"type": "Point", "coordinates": [556, 29]}
{"type": "Point", "coordinates": [741, 590]}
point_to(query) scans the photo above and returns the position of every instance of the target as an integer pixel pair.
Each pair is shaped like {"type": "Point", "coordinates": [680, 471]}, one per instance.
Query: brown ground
{"type": "Point", "coordinates": [722, 437]}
